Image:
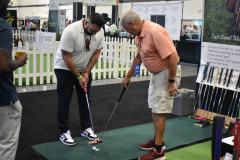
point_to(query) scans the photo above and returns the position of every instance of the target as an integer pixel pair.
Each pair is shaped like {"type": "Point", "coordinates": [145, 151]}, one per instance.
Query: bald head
{"type": "Point", "coordinates": [131, 22]}
{"type": "Point", "coordinates": [129, 16]}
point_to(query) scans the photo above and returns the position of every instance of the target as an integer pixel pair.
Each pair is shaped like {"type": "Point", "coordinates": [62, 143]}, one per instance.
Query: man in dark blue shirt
{"type": "Point", "coordinates": [10, 106]}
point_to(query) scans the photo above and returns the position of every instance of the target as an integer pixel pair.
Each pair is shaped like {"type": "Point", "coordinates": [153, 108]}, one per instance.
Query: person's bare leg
{"type": "Point", "coordinates": [159, 127]}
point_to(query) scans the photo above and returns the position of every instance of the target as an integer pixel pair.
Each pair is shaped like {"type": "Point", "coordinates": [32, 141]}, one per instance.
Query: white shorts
{"type": "Point", "coordinates": [158, 96]}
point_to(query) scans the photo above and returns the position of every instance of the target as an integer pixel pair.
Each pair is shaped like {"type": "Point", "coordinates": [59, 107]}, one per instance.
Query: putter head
{"type": "Point", "coordinates": [202, 123]}
{"type": "Point", "coordinates": [99, 140]}
{"type": "Point", "coordinates": [96, 141]}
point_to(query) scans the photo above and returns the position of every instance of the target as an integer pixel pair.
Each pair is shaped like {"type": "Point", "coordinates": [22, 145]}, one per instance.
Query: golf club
{"type": "Point", "coordinates": [96, 141]}
{"type": "Point", "coordinates": [119, 99]}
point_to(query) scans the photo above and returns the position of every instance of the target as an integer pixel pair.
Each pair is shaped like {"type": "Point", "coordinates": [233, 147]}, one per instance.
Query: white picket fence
{"type": "Point", "coordinates": [26, 36]}
{"type": "Point", "coordinates": [114, 62]}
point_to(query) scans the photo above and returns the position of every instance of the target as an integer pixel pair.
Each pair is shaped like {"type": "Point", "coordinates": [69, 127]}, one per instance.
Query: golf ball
{"type": "Point", "coordinates": [95, 148]}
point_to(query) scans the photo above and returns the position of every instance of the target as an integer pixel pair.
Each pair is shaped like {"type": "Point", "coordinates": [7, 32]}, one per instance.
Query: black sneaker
{"type": "Point", "coordinates": [88, 133]}
{"type": "Point", "coordinates": [66, 139]}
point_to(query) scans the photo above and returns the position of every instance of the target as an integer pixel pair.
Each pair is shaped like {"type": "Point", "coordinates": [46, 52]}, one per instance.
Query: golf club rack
{"type": "Point", "coordinates": [217, 95]}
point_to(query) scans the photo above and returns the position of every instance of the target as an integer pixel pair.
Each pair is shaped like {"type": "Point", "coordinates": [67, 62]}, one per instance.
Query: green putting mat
{"type": "Point", "coordinates": [200, 151]}
{"type": "Point", "coordinates": [122, 144]}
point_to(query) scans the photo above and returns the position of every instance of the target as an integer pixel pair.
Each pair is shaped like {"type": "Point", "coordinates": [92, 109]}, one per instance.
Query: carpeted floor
{"type": "Point", "coordinates": [122, 143]}
{"type": "Point", "coordinates": [39, 113]}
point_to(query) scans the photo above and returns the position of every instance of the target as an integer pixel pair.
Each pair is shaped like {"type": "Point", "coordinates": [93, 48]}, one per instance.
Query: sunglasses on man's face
{"type": "Point", "coordinates": [87, 42]}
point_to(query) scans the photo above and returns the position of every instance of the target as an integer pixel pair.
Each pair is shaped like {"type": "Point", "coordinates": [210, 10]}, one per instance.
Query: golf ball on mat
{"type": "Point", "coordinates": [95, 148]}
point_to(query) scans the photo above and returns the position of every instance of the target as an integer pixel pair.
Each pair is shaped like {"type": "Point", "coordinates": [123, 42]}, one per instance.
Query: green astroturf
{"type": "Point", "coordinates": [122, 144]}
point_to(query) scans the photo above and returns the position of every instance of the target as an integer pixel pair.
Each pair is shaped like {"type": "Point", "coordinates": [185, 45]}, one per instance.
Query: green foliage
{"type": "Point", "coordinates": [219, 22]}
{"type": "Point", "coordinates": [58, 36]}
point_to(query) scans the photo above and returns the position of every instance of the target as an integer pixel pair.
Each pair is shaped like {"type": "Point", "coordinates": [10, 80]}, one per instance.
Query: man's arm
{"type": "Point", "coordinates": [69, 62]}
{"type": "Point", "coordinates": [67, 57]}
{"type": "Point", "coordinates": [6, 62]}
{"type": "Point", "coordinates": [173, 61]}
{"type": "Point", "coordinates": [93, 61]}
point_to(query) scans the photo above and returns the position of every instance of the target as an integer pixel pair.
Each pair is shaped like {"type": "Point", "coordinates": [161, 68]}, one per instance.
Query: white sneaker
{"type": "Point", "coordinates": [66, 139]}
{"type": "Point", "coordinates": [88, 133]}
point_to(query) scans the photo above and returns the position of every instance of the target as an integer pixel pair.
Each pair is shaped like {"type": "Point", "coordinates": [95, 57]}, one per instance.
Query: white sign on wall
{"type": "Point", "coordinates": [172, 12]}
{"type": "Point", "coordinates": [45, 38]}
{"type": "Point", "coordinates": [220, 56]}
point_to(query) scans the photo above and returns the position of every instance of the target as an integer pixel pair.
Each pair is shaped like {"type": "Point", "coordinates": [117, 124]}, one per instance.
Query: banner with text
{"type": "Point", "coordinates": [45, 38]}
{"type": "Point", "coordinates": [221, 41]}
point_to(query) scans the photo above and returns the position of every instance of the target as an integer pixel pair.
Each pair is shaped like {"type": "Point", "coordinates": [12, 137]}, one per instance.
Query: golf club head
{"type": "Point", "coordinates": [96, 141]}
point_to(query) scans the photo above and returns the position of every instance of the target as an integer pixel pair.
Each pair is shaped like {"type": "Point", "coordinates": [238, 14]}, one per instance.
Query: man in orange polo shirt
{"type": "Point", "coordinates": [156, 51]}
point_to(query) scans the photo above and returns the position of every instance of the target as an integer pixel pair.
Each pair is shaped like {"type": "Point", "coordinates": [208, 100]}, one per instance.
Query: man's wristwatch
{"type": "Point", "coordinates": [171, 80]}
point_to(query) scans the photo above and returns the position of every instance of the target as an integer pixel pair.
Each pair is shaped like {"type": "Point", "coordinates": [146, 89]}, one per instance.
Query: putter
{"type": "Point", "coordinates": [206, 103]}
{"type": "Point", "coordinates": [229, 79]}
{"type": "Point", "coordinates": [207, 83]}
{"type": "Point", "coordinates": [220, 97]}
{"type": "Point", "coordinates": [216, 94]}
{"type": "Point", "coordinates": [119, 99]}
{"type": "Point", "coordinates": [214, 84]}
{"type": "Point", "coordinates": [96, 140]}
{"type": "Point", "coordinates": [234, 98]}
{"type": "Point", "coordinates": [199, 90]}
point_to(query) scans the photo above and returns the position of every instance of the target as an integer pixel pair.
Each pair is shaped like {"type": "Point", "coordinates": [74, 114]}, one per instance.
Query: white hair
{"type": "Point", "coordinates": [129, 16]}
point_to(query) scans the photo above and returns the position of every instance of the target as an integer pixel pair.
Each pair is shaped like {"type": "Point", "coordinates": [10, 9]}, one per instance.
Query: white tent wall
{"type": "Point", "coordinates": [104, 9]}
{"type": "Point", "coordinates": [27, 2]}
{"type": "Point", "coordinates": [123, 7]}
{"type": "Point", "coordinates": [192, 9]}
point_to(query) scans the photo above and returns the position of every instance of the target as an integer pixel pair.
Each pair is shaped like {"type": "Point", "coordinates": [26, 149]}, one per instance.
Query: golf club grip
{"type": "Point", "coordinates": [123, 90]}
{"type": "Point", "coordinates": [220, 76]}
{"type": "Point", "coordinates": [85, 88]}
{"type": "Point", "coordinates": [229, 78]}
{"type": "Point", "coordinates": [205, 73]}
{"type": "Point", "coordinates": [215, 81]}
{"type": "Point", "coordinates": [212, 74]}
{"type": "Point", "coordinates": [238, 82]}
{"type": "Point", "coordinates": [209, 74]}
{"type": "Point", "coordinates": [225, 78]}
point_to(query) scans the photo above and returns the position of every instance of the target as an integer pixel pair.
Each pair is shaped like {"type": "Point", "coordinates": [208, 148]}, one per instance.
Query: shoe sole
{"type": "Point", "coordinates": [160, 158]}
{"type": "Point", "coordinates": [88, 137]}
{"type": "Point", "coordinates": [148, 149]}
{"type": "Point", "coordinates": [73, 144]}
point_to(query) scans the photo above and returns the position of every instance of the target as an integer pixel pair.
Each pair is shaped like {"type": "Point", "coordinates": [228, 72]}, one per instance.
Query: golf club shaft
{"type": "Point", "coordinates": [214, 84]}
{"type": "Point", "coordinates": [119, 99]}
{"type": "Point", "coordinates": [219, 81]}
{"type": "Point", "coordinates": [205, 108]}
{"type": "Point", "coordinates": [229, 78]}
{"type": "Point", "coordinates": [209, 75]}
{"type": "Point", "coordinates": [200, 88]}
{"type": "Point", "coordinates": [219, 102]}
{"type": "Point", "coordinates": [232, 101]}
{"type": "Point", "coordinates": [236, 93]}
{"type": "Point", "coordinates": [89, 110]}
